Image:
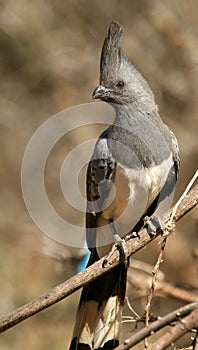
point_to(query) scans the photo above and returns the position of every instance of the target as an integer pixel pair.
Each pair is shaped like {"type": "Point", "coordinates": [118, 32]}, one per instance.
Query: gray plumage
{"type": "Point", "coordinates": [133, 169]}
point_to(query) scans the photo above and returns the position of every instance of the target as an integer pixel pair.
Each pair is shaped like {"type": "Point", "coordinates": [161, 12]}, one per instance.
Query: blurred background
{"type": "Point", "coordinates": [49, 60]}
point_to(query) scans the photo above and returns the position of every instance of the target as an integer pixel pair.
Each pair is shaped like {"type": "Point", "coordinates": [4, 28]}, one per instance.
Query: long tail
{"type": "Point", "coordinates": [98, 318]}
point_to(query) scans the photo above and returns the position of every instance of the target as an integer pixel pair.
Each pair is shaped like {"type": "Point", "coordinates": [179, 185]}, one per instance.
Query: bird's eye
{"type": "Point", "coordinates": [120, 84]}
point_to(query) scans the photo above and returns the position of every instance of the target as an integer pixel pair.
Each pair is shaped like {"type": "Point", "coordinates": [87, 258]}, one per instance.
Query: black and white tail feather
{"type": "Point", "coordinates": [99, 313]}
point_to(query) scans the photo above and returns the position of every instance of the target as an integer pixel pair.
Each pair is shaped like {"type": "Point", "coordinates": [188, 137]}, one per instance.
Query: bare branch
{"type": "Point", "coordinates": [164, 321]}
{"type": "Point", "coordinates": [184, 207]}
{"type": "Point", "coordinates": [81, 279]}
{"type": "Point", "coordinates": [142, 281]}
{"type": "Point", "coordinates": [182, 327]}
{"type": "Point", "coordinates": [189, 186]}
{"type": "Point", "coordinates": [166, 289]}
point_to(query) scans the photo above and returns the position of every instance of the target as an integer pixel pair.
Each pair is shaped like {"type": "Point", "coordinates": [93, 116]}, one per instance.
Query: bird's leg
{"type": "Point", "coordinates": [153, 225]}
{"type": "Point", "coordinates": [120, 244]}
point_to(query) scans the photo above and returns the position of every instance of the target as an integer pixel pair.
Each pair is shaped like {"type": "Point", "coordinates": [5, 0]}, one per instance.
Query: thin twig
{"type": "Point", "coordinates": [168, 225]}
{"type": "Point", "coordinates": [153, 285]}
{"type": "Point", "coordinates": [81, 279]}
{"type": "Point", "coordinates": [188, 187]}
{"type": "Point", "coordinates": [131, 309]}
{"type": "Point", "coordinates": [157, 325]}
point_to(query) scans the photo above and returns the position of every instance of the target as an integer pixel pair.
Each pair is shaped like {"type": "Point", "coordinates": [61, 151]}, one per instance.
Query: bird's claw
{"type": "Point", "coordinates": [120, 244]}
{"type": "Point", "coordinates": [152, 225]}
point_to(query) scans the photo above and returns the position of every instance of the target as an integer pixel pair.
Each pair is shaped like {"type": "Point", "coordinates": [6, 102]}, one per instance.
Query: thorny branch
{"type": "Point", "coordinates": [81, 279]}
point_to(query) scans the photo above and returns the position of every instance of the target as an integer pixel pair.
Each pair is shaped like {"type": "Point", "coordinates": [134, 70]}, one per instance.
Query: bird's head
{"type": "Point", "coordinates": [120, 82]}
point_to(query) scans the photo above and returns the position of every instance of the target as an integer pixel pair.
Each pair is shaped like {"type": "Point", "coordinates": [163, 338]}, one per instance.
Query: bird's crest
{"type": "Point", "coordinates": [111, 55]}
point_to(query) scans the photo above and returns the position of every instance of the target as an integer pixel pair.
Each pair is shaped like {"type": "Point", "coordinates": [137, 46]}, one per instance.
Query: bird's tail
{"type": "Point", "coordinates": [98, 318]}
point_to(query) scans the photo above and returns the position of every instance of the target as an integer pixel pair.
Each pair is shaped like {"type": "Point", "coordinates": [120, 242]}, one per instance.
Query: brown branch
{"type": "Point", "coordinates": [142, 281]}
{"type": "Point", "coordinates": [182, 327]}
{"type": "Point", "coordinates": [81, 279]}
{"type": "Point", "coordinates": [159, 324]}
{"type": "Point", "coordinates": [168, 290]}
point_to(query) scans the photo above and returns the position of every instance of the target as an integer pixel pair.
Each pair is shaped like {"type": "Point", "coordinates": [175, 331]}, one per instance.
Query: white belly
{"type": "Point", "coordinates": [135, 190]}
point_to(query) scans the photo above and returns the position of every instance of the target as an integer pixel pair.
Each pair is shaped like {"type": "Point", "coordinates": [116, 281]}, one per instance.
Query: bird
{"type": "Point", "coordinates": [133, 169]}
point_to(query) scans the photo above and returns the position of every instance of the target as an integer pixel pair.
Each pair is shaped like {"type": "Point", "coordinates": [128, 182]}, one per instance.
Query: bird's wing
{"type": "Point", "coordinates": [100, 174]}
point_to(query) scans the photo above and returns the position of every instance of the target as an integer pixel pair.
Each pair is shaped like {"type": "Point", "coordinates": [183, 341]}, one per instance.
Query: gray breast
{"type": "Point", "coordinates": [137, 148]}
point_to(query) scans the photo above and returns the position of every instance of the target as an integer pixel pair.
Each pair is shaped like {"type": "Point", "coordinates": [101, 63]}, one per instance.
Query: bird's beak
{"type": "Point", "coordinates": [100, 92]}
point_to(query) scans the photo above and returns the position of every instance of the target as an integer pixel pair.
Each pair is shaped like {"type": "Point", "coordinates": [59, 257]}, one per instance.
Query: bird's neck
{"type": "Point", "coordinates": [129, 115]}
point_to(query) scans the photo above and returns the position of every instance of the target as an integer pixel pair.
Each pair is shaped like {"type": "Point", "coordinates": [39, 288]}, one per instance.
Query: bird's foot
{"type": "Point", "coordinates": [107, 257]}
{"type": "Point", "coordinates": [153, 225]}
{"type": "Point", "coordinates": [120, 245]}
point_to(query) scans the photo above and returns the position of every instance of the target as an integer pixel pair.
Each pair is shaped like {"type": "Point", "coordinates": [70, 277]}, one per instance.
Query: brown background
{"type": "Point", "coordinates": [49, 59]}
